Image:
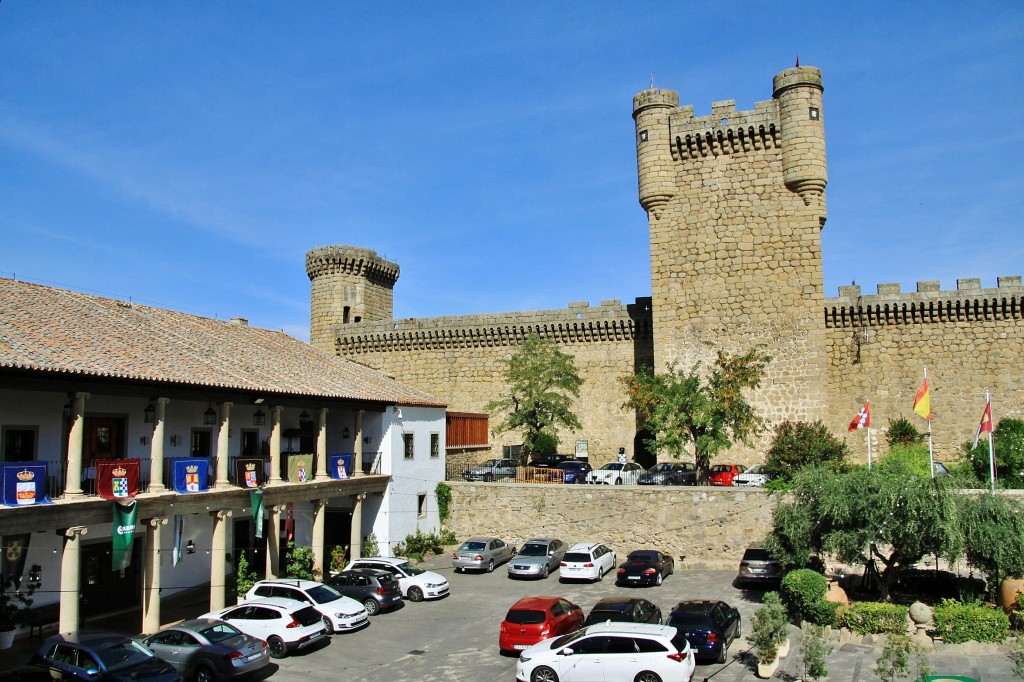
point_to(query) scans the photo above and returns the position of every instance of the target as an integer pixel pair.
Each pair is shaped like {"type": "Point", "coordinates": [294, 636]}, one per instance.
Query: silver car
{"type": "Point", "coordinates": [481, 554]}
{"type": "Point", "coordinates": [537, 558]}
{"type": "Point", "coordinates": [491, 470]}
{"type": "Point", "coordinates": [207, 649]}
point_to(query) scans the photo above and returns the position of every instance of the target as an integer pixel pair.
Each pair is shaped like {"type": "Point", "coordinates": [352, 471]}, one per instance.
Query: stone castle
{"type": "Point", "coordinates": [735, 203]}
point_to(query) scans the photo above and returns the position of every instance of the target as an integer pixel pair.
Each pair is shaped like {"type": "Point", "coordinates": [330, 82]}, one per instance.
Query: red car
{"type": "Point", "coordinates": [722, 474]}
{"type": "Point", "coordinates": [532, 619]}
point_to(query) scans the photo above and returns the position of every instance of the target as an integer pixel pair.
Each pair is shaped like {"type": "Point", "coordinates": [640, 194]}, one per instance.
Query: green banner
{"type": "Point", "coordinates": [122, 534]}
{"type": "Point", "coordinates": [256, 500]}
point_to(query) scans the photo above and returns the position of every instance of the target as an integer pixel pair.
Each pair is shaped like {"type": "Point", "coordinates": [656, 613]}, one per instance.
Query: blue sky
{"type": "Point", "coordinates": [187, 154]}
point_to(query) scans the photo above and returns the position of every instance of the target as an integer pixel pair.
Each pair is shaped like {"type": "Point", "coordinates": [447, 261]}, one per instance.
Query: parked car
{"type": "Point", "coordinates": [586, 561]}
{"type": "Point", "coordinates": [282, 623]}
{"type": "Point", "coordinates": [669, 473]}
{"type": "Point", "coordinates": [491, 470]}
{"type": "Point", "coordinates": [550, 461]}
{"type": "Point", "coordinates": [755, 476]}
{"type": "Point", "coordinates": [575, 471]}
{"type": "Point", "coordinates": [537, 558]}
{"type": "Point", "coordinates": [532, 619]}
{"type": "Point", "coordinates": [709, 626]}
{"type": "Point", "coordinates": [209, 650]}
{"type": "Point", "coordinates": [416, 583]}
{"type": "Point", "coordinates": [645, 567]}
{"type": "Point", "coordinates": [758, 566]}
{"type": "Point", "coordinates": [339, 613]}
{"type": "Point", "coordinates": [101, 657]}
{"type": "Point", "coordinates": [616, 473]}
{"type": "Point", "coordinates": [377, 590]}
{"type": "Point", "coordinates": [481, 554]}
{"type": "Point", "coordinates": [723, 474]}
{"type": "Point", "coordinates": [620, 651]}
{"type": "Point", "coordinates": [624, 610]}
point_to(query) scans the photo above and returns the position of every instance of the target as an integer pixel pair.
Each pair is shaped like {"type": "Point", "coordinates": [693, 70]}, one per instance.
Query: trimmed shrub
{"type": "Point", "coordinates": [874, 618]}
{"type": "Point", "coordinates": [957, 622]}
{"type": "Point", "coordinates": [768, 628]}
{"type": "Point", "coordinates": [799, 444]}
{"type": "Point", "coordinates": [902, 431]}
{"type": "Point", "coordinates": [824, 612]}
{"type": "Point", "coordinates": [801, 590]}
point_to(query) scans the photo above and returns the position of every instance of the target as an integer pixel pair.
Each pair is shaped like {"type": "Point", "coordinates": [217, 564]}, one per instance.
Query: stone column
{"type": "Point", "coordinates": [274, 542]}
{"type": "Point", "coordinates": [358, 454]}
{"type": "Point", "coordinates": [356, 533]}
{"type": "Point", "coordinates": [319, 514]}
{"type": "Point", "coordinates": [151, 576]}
{"type": "Point", "coordinates": [218, 558]}
{"type": "Point", "coordinates": [73, 482]}
{"type": "Point", "coordinates": [222, 445]}
{"type": "Point", "coordinates": [156, 457]}
{"type": "Point", "coordinates": [70, 579]}
{"type": "Point", "coordinates": [321, 445]}
{"type": "Point", "coordinates": [275, 445]}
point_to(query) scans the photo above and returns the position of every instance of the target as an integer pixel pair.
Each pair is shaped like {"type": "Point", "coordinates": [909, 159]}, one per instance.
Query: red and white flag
{"type": "Point", "coordinates": [985, 426]}
{"type": "Point", "coordinates": [862, 420]}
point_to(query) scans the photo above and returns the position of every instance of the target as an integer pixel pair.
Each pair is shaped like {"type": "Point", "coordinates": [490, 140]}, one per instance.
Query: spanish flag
{"type": "Point", "coordinates": [923, 401]}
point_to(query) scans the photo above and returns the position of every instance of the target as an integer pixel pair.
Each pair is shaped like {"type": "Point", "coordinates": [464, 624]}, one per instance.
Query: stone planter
{"type": "Point", "coordinates": [784, 648]}
{"type": "Point", "coordinates": [6, 639]}
{"type": "Point", "coordinates": [766, 670]}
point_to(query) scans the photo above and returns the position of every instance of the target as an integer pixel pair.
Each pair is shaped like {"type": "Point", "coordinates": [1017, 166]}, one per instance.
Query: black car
{"type": "Point", "coordinates": [624, 610]}
{"type": "Point", "coordinates": [102, 657]}
{"type": "Point", "coordinates": [645, 567]}
{"type": "Point", "coordinates": [670, 473]}
{"type": "Point", "coordinates": [550, 461]}
{"type": "Point", "coordinates": [758, 566]}
{"type": "Point", "coordinates": [377, 590]}
{"type": "Point", "coordinates": [709, 626]}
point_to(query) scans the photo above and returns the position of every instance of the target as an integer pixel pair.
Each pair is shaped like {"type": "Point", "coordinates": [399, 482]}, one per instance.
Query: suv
{"type": "Point", "coordinates": [416, 583]}
{"type": "Point", "coordinates": [340, 614]}
{"type": "Point", "coordinates": [709, 626]}
{"type": "Point", "coordinates": [609, 651]}
{"type": "Point", "coordinates": [586, 561]}
{"type": "Point", "coordinates": [376, 589]}
{"type": "Point", "coordinates": [757, 565]}
{"type": "Point", "coordinates": [284, 625]}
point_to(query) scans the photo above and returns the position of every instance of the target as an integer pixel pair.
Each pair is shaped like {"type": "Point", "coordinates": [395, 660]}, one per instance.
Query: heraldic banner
{"type": "Point", "coordinates": [24, 483]}
{"type": "Point", "coordinates": [190, 474]}
{"type": "Point", "coordinates": [340, 465]}
{"type": "Point", "coordinates": [15, 551]}
{"type": "Point", "coordinates": [249, 472]}
{"type": "Point", "coordinates": [256, 500]}
{"type": "Point", "coordinates": [117, 479]}
{"type": "Point", "coordinates": [122, 534]}
{"type": "Point", "coordinates": [300, 468]}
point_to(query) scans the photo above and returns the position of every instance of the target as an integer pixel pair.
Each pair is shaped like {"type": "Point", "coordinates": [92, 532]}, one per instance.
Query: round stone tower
{"type": "Point", "coordinates": [349, 285]}
{"type": "Point", "coordinates": [651, 109]}
{"type": "Point", "coordinates": [798, 91]}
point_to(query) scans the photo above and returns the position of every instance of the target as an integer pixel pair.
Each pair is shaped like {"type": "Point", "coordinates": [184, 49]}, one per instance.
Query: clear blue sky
{"type": "Point", "coordinates": [187, 154]}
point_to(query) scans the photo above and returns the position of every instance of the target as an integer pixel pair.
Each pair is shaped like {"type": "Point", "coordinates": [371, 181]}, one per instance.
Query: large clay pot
{"type": "Point", "coordinates": [1008, 590]}
{"type": "Point", "coordinates": [836, 594]}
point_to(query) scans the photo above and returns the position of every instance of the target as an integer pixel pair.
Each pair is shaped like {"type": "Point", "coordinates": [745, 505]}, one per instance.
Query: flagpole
{"type": "Point", "coordinates": [931, 452]}
{"type": "Point", "coordinates": [869, 448]}
{"type": "Point", "coordinates": [991, 455]}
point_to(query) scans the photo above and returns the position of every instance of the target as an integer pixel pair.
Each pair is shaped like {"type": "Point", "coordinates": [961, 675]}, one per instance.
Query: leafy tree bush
{"type": "Point", "coordinates": [993, 528]}
{"type": "Point", "coordinates": [911, 458]}
{"type": "Point", "coordinates": [370, 547]}
{"type": "Point", "coordinates": [874, 618]}
{"type": "Point", "coordinates": [958, 622]}
{"type": "Point", "coordinates": [545, 443]}
{"type": "Point", "coordinates": [813, 650]}
{"type": "Point", "coordinates": [339, 557]}
{"type": "Point", "coordinates": [443, 495]}
{"type": "Point", "coordinates": [1008, 446]}
{"type": "Point", "coordinates": [902, 431]}
{"type": "Point", "coordinates": [768, 628]}
{"type": "Point", "coordinates": [245, 577]}
{"type": "Point", "coordinates": [801, 590]}
{"type": "Point", "coordinates": [894, 662]}
{"type": "Point", "coordinates": [299, 563]}
{"type": "Point", "coordinates": [798, 444]}
{"type": "Point", "coordinates": [418, 545]}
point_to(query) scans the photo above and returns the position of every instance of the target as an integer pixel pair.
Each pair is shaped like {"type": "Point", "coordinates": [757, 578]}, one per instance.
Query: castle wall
{"type": "Point", "coordinates": [970, 339]}
{"type": "Point", "coordinates": [460, 360]}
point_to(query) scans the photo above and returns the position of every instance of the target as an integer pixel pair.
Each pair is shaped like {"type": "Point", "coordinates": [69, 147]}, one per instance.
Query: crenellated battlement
{"type": "Point", "coordinates": [351, 260]}
{"type": "Point", "coordinates": [725, 131]}
{"type": "Point", "coordinates": [928, 305]}
{"type": "Point", "coordinates": [578, 323]}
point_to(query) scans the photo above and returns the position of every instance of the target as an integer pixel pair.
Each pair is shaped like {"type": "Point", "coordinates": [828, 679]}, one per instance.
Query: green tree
{"type": "Point", "coordinates": [813, 651]}
{"type": "Point", "coordinates": [245, 576]}
{"type": "Point", "coordinates": [1008, 448]}
{"type": "Point", "coordinates": [541, 382]}
{"type": "Point", "coordinates": [993, 527]}
{"type": "Point", "coordinates": [299, 562]}
{"type": "Point", "coordinates": [902, 431]}
{"type": "Point", "coordinates": [894, 517]}
{"type": "Point", "coordinates": [894, 663]}
{"type": "Point", "coordinates": [799, 444]}
{"type": "Point", "coordinates": [705, 410]}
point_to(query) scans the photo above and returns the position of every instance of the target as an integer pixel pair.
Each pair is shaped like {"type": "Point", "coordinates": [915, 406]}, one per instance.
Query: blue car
{"type": "Point", "coordinates": [102, 657]}
{"type": "Point", "coordinates": [575, 471]}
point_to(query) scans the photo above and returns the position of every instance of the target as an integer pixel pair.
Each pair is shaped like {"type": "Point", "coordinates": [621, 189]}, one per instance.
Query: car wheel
{"type": "Point", "coordinates": [647, 676]}
{"type": "Point", "coordinates": [277, 647]}
{"type": "Point", "coordinates": [415, 594]}
{"type": "Point", "coordinates": [371, 606]}
{"type": "Point", "coordinates": [723, 655]}
{"type": "Point", "coordinates": [490, 566]}
{"type": "Point", "coordinates": [545, 572]}
{"type": "Point", "coordinates": [618, 481]}
{"type": "Point", "coordinates": [488, 477]}
{"type": "Point", "coordinates": [543, 674]}
{"type": "Point", "coordinates": [329, 625]}
{"type": "Point", "coordinates": [203, 673]}
{"type": "Point", "coordinates": [739, 628]}
{"type": "Point", "coordinates": [657, 581]}
{"type": "Point", "coordinates": [600, 575]}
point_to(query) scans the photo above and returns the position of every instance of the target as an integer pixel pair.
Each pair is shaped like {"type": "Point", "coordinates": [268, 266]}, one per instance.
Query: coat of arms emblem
{"type": "Point", "coordinates": [119, 482]}
{"type": "Point", "coordinates": [25, 492]}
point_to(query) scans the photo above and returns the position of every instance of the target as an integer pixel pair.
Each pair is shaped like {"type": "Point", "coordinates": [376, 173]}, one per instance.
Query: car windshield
{"type": "Point", "coordinates": [322, 594]}
{"type": "Point", "coordinates": [124, 655]}
{"type": "Point", "coordinates": [490, 463]}
{"type": "Point", "coordinates": [689, 620]}
{"type": "Point", "coordinates": [410, 569]}
{"type": "Point", "coordinates": [612, 466]}
{"type": "Point", "coordinates": [719, 468]}
{"type": "Point", "coordinates": [533, 549]}
{"type": "Point", "coordinates": [602, 616]}
{"type": "Point", "coordinates": [524, 617]}
{"type": "Point", "coordinates": [756, 554]}
{"type": "Point", "coordinates": [473, 546]}
{"type": "Point", "coordinates": [662, 467]}
{"type": "Point", "coordinates": [642, 556]}
{"type": "Point", "coordinates": [568, 639]}
{"type": "Point", "coordinates": [219, 632]}
{"type": "Point", "coordinates": [576, 556]}
{"type": "Point", "coordinates": [757, 469]}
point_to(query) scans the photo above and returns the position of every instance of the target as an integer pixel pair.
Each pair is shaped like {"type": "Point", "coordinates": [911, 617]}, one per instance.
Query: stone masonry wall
{"type": "Point", "coordinates": [710, 527]}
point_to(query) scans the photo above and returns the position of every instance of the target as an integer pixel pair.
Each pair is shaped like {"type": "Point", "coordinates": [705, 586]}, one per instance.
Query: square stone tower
{"type": "Point", "coordinates": [736, 204]}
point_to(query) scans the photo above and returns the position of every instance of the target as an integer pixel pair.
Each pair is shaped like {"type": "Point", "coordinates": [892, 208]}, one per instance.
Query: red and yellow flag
{"type": "Point", "coordinates": [923, 401]}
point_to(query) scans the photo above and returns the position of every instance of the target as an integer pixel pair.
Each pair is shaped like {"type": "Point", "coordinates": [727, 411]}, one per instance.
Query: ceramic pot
{"type": "Point", "coordinates": [1008, 590]}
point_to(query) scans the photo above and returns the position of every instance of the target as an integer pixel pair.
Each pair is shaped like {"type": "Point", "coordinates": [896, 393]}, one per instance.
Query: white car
{"type": "Point", "coordinates": [616, 473]}
{"type": "Point", "coordinates": [285, 625]}
{"type": "Point", "coordinates": [753, 477]}
{"type": "Point", "coordinates": [340, 613]}
{"type": "Point", "coordinates": [609, 651]}
{"type": "Point", "coordinates": [416, 583]}
{"type": "Point", "coordinates": [586, 561]}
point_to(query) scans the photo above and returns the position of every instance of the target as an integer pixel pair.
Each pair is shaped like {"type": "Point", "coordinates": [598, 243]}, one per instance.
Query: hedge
{"type": "Point", "coordinates": [873, 618]}
{"type": "Point", "coordinates": [801, 590]}
{"type": "Point", "coordinates": [957, 622]}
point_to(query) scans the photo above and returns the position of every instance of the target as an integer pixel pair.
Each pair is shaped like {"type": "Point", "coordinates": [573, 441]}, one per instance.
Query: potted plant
{"type": "Point", "coordinates": [14, 603]}
{"type": "Point", "coordinates": [769, 634]}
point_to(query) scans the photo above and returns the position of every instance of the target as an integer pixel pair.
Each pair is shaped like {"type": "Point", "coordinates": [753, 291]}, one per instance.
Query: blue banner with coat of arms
{"type": "Point", "coordinates": [24, 483]}
{"type": "Point", "coordinates": [190, 474]}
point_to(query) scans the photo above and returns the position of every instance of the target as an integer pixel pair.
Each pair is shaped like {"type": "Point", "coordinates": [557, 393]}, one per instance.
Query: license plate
{"type": "Point", "coordinates": [253, 657]}
{"type": "Point", "coordinates": [519, 646]}
{"type": "Point", "coordinates": [634, 577]}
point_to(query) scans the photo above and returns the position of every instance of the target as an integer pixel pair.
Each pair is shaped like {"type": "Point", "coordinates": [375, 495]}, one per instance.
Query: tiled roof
{"type": "Point", "coordinates": [66, 332]}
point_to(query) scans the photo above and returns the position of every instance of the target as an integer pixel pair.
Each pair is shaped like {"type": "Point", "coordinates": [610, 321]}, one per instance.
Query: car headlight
{"type": "Point", "coordinates": [523, 658]}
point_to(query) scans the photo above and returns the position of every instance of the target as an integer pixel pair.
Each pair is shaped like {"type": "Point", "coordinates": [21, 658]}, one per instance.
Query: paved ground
{"type": "Point", "coordinates": [456, 638]}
